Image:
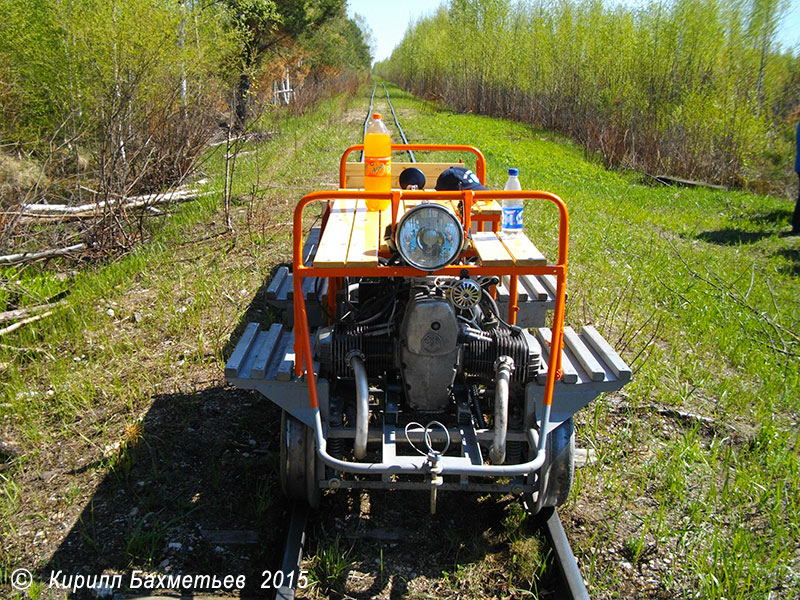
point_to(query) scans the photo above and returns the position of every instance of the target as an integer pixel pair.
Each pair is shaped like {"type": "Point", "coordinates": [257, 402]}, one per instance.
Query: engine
{"type": "Point", "coordinates": [427, 334]}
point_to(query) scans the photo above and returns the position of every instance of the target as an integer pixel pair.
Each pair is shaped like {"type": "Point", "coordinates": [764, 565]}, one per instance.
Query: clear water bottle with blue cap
{"type": "Point", "coordinates": [512, 209]}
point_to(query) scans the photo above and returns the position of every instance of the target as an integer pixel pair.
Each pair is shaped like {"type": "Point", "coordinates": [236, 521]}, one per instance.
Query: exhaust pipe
{"type": "Point", "coordinates": [503, 367]}
{"type": "Point", "coordinates": [355, 360]}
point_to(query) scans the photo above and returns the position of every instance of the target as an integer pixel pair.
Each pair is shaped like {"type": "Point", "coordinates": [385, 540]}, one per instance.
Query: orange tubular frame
{"type": "Point", "coordinates": [303, 353]}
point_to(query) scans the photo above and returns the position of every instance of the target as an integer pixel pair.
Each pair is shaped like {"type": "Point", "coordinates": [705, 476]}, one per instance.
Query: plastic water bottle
{"type": "Point", "coordinates": [512, 209]}
{"type": "Point", "coordinates": [377, 161]}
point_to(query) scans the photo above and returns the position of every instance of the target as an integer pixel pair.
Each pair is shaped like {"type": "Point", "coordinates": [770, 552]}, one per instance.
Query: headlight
{"type": "Point", "coordinates": [429, 237]}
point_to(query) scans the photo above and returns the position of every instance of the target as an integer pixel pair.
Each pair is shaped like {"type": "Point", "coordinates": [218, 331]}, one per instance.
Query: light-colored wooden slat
{"type": "Point", "coordinates": [267, 346]}
{"type": "Point", "coordinates": [277, 282]}
{"type": "Point", "coordinates": [487, 208]}
{"type": "Point", "coordinates": [354, 173]}
{"type": "Point", "coordinates": [607, 354]}
{"type": "Point", "coordinates": [568, 370]}
{"type": "Point", "coordinates": [583, 355]}
{"type": "Point", "coordinates": [551, 283]}
{"type": "Point", "coordinates": [491, 250]}
{"type": "Point", "coordinates": [522, 293]}
{"type": "Point", "coordinates": [522, 250]}
{"type": "Point", "coordinates": [332, 250]}
{"type": "Point", "coordinates": [241, 351]}
{"type": "Point", "coordinates": [535, 289]}
{"type": "Point", "coordinates": [363, 250]}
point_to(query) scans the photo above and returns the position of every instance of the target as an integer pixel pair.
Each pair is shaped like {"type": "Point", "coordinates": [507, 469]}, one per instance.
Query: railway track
{"type": "Point", "coordinates": [570, 586]}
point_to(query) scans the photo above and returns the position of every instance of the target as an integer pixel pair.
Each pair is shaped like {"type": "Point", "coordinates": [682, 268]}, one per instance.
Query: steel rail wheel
{"type": "Point", "coordinates": [298, 461]}
{"type": "Point", "coordinates": [555, 477]}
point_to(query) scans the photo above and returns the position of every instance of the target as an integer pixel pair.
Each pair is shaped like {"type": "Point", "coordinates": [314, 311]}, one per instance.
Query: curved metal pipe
{"type": "Point", "coordinates": [504, 366]}
{"type": "Point", "coordinates": [356, 361]}
{"type": "Point", "coordinates": [451, 465]}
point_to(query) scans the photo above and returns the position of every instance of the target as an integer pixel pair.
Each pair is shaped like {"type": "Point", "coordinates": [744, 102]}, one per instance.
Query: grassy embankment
{"type": "Point", "coordinates": [79, 386]}
{"type": "Point", "coordinates": [696, 287]}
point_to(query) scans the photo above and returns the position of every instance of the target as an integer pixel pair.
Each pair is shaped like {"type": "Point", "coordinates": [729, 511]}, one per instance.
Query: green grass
{"type": "Point", "coordinates": [697, 288]}
{"type": "Point", "coordinates": [154, 321]}
{"type": "Point", "coordinates": [330, 566]}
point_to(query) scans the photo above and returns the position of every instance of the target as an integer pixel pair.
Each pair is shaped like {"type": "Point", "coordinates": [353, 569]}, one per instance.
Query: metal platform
{"type": "Point", "coordinates": [590, 366]}
{"type": "Point", "coordinates": [535, 296]}
{"type": "Point", "coordinates": [264, 361]}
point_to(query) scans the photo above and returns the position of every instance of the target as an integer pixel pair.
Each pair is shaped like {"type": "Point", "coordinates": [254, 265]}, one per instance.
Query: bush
{"type": "Point", "coordinates": [696, 88]}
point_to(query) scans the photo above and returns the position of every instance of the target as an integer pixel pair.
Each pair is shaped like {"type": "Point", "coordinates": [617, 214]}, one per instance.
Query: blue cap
{"type": "Point", "coordinates": [513, 171]}
{"type": "Point", "coordinates": [458, 178]}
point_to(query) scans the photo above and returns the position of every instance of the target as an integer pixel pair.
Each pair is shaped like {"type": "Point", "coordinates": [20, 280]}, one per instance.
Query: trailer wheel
{"type": "Point", "coordinates": [298, 461]}
{"type": "Point", "coordinates": [555, 477]}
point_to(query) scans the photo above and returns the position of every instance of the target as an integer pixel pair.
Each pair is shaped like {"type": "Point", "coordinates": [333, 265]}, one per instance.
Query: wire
{"type": "Point", "coordinates": [427, 437]}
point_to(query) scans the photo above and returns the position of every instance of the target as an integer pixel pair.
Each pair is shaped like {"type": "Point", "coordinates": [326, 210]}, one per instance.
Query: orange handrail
{"type": "Point", "coordinates": [303, 355]}
{"type": "Point", "coordinates": [480, 161]}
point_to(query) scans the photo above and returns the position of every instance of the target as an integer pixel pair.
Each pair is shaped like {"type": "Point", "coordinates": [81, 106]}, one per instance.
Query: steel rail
{"type": "Point", "coordinates": [552, 528]}
{"type": "Point", "coordinates": [565, 559]}
{"type": "Point", "coordinates": [293, 553]}
{"type": "Point", "coordinates": [369, 114]}
{"type": "Point", "coordinates": [397, 124]}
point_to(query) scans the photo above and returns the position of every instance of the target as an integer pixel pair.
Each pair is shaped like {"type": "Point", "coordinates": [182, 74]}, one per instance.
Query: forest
{"type": "Point", "coordinates": [102, 100]}
{"type": "Point", "coordinates": [692, 88]}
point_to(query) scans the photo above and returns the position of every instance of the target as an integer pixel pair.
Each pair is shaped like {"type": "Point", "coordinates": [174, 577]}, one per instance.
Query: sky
{"type": "Point", "coordinates": [389, 20]}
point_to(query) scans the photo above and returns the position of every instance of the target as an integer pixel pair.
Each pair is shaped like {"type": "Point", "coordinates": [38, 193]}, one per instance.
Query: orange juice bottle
{"type": "Point", "coordinates": [377, 161]}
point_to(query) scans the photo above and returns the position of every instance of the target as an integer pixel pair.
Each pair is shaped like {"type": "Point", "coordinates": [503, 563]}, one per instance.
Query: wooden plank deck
{"type": "Point", "coordinates": [354, 173]}
{"type": "Point", "coordinates": [522, 250]}
{"type": "Point", "coordinates": [335, 242]}
{"type": "Point", "coordinates": [364, 242]}
{"type": "Point", "coordinates": [491, 250]}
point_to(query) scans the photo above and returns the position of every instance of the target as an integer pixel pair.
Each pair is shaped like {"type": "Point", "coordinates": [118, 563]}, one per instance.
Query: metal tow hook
{"type": "Point", "coordinates": [433, 457]}
{"type": "Point", "coordinates": [434, 463]}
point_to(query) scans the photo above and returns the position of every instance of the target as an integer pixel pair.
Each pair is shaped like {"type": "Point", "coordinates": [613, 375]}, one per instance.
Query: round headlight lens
{"type": "Point", "coordinates": [429, 237]}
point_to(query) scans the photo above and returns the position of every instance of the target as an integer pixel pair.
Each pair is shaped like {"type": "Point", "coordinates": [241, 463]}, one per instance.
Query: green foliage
{"type": "Point", "coordinates": [73, 65]}
{"type": "Point", "coordinates": [129, 90]}
{"type": "Point", "coordinates": [692, 87]}
{"type": "Point", "coordinates": [338, 42]}
{"type": "Point", "coordinates": [330, 566]}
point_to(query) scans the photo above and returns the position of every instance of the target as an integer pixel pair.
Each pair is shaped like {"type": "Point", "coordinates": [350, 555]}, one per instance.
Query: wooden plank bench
{"type": "Point", "coordinates": [498, 250]}
{"type": "Point", "coordinates": [354, 173]}
{"type": "Point", "coordinates": [335, 241]}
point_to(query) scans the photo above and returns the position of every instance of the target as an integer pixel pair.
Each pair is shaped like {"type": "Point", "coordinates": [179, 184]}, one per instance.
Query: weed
{"type": "Point", "coordinates": [330, 566]}
{"type": "Point", "coordinates": [146, 541]}
{"type": "Point", "coordinates": [264, 497]}
{"type": "Point", "coordinates": [9, 496]}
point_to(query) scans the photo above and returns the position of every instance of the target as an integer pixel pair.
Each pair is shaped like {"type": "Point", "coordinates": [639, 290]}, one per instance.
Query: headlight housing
{"type": "Point", "coordinates": [429, 237]}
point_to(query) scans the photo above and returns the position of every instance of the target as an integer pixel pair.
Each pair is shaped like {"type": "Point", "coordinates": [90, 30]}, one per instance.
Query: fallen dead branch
{"type": "Point", "coordinates": [48, 211]}
{"type": "Point", "coordinates": [21, 313]}
{"type": "Point", "coordinates": [26, 257]}
{"type": "Point", "coordinates": [24, 322]}
{"type": "Point", "coordinates": [685, 416]}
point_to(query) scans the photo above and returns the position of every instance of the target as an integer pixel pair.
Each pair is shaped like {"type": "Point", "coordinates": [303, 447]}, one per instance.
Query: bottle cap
{"type": "Point", "coordinates": [376, 115]}
{"type": "Point", "coordinates": [513, 171]}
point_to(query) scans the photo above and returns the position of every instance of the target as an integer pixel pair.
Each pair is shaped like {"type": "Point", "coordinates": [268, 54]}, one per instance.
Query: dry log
{"type": "Point", "coordinates": [19, 324]}
{"type": "Point", "coordinates": [24, 257]}
{"type": "Point", "coordinates": [21, 313]}
{"type": "Point", "coordinates": [94, 208]}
